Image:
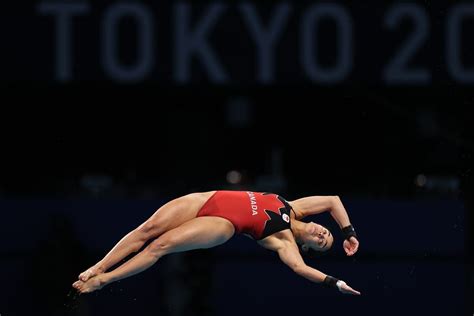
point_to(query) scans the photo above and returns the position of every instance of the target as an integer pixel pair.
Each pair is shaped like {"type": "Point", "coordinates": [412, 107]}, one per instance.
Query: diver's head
{"type": "Point", "coordinates": [316, 237]}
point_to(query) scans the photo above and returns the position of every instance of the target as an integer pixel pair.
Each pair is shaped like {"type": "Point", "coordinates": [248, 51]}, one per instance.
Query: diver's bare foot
{"type": "Point", "coordinates": [93, 284]}
{"type": "Point", "coordinates": [90, 273]}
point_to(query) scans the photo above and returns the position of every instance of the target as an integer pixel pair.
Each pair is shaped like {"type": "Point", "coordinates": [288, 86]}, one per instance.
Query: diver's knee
{"type": "Point", "coordinates": [148, 229]}
{"type": "Point", "coordinates": [160, 247]}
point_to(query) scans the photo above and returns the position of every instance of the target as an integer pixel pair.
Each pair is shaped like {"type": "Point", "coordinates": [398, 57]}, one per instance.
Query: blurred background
{"type": "Point", "coordinates": [109, 109]}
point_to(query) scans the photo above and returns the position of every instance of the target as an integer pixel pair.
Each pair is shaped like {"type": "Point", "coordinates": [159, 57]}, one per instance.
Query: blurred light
{"type": "Point", "coordinates": [437, 183]}
{"type": "Point", "coordinates": [234, 177]}
{"type": "Point", "coordinates": [420, 180]}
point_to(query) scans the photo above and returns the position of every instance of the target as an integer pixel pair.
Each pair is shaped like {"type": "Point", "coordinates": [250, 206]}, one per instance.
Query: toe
{"type": "Point", "coordinates": [77, 284]}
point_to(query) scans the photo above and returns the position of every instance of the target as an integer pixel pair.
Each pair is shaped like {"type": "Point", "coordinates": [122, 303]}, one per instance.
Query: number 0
{"type": "Point", "coordinates": [453, 43]}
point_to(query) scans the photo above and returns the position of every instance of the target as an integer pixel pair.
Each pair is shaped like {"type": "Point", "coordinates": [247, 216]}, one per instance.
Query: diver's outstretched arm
{"type": "Point", "coordinates": [290, 255]}
{"type": "Point", "coordinates": [285, 244]}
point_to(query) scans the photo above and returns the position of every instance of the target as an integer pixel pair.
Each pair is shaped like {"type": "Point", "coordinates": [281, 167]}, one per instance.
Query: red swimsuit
{"type": "Point", "coordinates": [252, 213]}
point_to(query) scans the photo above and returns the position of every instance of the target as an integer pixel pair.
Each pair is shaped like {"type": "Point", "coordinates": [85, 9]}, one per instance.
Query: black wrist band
{"type": "Point", "coordinates": [348, 232]}
{"type": "Point", "coordinates": [330, 281]}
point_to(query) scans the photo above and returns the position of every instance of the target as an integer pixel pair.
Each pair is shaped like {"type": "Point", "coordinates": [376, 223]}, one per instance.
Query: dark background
{"type": "Point", "coordinates": [85, 160]}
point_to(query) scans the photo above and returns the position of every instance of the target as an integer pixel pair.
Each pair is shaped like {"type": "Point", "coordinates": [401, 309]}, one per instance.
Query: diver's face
{"type": "Point", "coordinates": [317, 237]}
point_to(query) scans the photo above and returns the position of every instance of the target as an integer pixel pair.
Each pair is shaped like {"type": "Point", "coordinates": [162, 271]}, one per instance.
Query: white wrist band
{"type": "Point", "coordinates": [339, 284]}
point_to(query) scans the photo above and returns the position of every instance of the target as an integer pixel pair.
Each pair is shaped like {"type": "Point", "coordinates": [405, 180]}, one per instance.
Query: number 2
{"type": "Point", "coordinates": [397, 71]}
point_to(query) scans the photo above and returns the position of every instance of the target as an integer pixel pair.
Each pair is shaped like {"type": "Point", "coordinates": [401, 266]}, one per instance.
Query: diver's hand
{"type": "Point", "coordinates": [351, 246]}
{"type": "Point", "coordinates": [346, 289]}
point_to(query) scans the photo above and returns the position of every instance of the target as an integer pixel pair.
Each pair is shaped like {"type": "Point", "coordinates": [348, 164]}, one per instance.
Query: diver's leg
{"type": "Point", "coordinates": [169, 216]}
{"type": "Point", "coordinates": [201, 232]}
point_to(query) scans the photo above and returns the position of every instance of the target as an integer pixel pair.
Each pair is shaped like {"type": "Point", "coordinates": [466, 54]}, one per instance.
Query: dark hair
{"type": "Point", "coordinates": [311, 253]}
